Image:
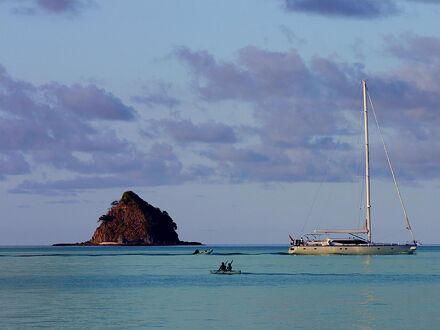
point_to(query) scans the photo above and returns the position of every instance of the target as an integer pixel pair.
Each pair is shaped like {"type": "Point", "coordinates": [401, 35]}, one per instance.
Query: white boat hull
{"type": "Point", "coordinates": [367, 249]}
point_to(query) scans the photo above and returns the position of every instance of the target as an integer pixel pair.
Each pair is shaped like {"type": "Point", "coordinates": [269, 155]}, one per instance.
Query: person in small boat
{"type": "Point", "coordinates": [229, 267]}
{"type": "Point", "coordinates": [222, 267]}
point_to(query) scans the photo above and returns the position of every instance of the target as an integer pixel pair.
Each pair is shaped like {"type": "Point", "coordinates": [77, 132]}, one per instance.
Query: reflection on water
{"type": "Point", "coordinates": [367, 262]}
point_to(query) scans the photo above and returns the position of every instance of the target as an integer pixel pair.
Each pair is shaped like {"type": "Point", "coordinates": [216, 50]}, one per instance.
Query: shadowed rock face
{"type": "Point", "coordinates": [133, 221]}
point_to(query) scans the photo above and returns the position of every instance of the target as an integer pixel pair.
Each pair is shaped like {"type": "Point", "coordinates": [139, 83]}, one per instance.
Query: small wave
{"type": "Point", "coordinates": [135, 254]}
{"type": "Point", "coordinates": [249, 254]}
{"type": "Point", "coordinates": [92, 255]}
{"type": "Point", "coordinates": [409, 277]}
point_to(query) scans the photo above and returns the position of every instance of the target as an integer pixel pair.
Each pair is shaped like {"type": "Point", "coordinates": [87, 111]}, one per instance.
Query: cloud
{"type": "Point", "coordinates": [68, 186]}
{"type": "Point", "coordinates": [366, 9]}
{"type": "Point", "coordinates": [54, 7]}
{"type": "Point", "coordinates": [13, 163]}
{"type": "Point", "coordinates": [203, 63]}
{"type": "Point", "coordinates": [306, 117]}
{"type": "Point", "coordinates": [185, 131]}
{"type": "Point", "coordinates": [63, 127]}
{"type": "Point", "coordinates": [60, 127]}
{"type": "Point", "coordinates": [281, 86]}
{"type": "Point", "coordinates": [434, 2]}
{"type": "Point", "coordinates": [89, 102]}
{"type": "Point", "coordinates": [159, 97]}
{"type": "Point", "coordinates": [152, 100]}
{"type": "Point", "coordinates": [265, 164]}
{"type": "Point", "coordinates": [160, 166]}
{"type": "Point", "coordinates": [259, 75]}
{"type": "Point", "coordinates": [86, 102]}
{"type": "Point", "coordinates": [410, 46]}
{"type": "Point", "coordinates": [306, 112]}
{"type": "Point", "coordinates": [71, 132]}
{"type": "Point", "coordinates": [411, 91]}
{"type": "Point", "coordinates": [293, 102]}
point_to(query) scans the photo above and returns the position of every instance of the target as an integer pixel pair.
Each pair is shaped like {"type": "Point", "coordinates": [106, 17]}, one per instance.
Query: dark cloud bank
{"type": "Point", "coordinates": [344, 8]}
{"type": "Point", "coordinates": [54, 7]}
{"type": "Point", "coordinates": [365, 9]}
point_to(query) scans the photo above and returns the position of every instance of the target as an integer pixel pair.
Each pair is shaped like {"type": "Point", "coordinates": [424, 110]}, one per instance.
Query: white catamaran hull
{"type": "Point", "coordinates": [353, 249]}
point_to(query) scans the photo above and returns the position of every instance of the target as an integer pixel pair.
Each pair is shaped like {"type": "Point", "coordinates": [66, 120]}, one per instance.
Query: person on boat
{"type": "Point", "coordinates": [222, 267]}
{"type": "Point", "coordinates": [229, 267]}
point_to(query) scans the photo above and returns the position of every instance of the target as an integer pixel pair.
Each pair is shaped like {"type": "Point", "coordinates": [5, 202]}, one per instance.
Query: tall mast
{"type": "Point", "coordinates": [367, 162]}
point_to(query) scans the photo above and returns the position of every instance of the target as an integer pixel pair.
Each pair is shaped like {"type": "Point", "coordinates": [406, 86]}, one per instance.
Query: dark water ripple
{"type": "Point", "coordinates": [204, 279]}
{"type": "Point", "coordinates": [133, 254]}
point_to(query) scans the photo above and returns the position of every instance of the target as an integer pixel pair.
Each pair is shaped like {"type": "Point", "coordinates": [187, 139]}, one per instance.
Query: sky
{"type": "Point", "coordinates": [242, 119]}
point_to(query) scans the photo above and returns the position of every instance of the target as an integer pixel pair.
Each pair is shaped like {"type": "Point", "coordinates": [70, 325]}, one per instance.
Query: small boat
{"type": "Point", "coordinates": [356, 243]}
{"type": "Point", "coordinates": [226, 272]}
{"type": "Point", "coordinates": [207, 251]}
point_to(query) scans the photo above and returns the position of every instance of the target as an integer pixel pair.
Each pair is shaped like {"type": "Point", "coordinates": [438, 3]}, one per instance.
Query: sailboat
{"type": "Point", "coordinates": [356, 241]}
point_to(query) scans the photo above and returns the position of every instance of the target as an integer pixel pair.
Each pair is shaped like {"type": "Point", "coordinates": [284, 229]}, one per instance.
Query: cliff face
{"type": "Point", "coordinates": [131, 220]}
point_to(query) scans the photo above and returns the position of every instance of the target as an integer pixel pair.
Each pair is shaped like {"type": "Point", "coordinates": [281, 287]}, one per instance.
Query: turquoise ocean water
{"type": "Point", "coordinates": [167, 287]}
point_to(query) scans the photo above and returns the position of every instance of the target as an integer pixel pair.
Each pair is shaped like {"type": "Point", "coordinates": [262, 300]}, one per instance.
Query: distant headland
{"type": "Point", "coordinates": [133, 221]}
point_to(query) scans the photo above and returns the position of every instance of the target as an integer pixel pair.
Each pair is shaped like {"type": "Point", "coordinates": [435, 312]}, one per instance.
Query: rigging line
{"type": "Point", "coordinates": [408, 225]}
{"type": "Point", "coordinates": [312, 205]}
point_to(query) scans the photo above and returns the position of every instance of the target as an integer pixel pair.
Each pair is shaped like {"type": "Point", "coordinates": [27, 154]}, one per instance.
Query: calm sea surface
{"type": "Point", "coordinates": [167, 287]}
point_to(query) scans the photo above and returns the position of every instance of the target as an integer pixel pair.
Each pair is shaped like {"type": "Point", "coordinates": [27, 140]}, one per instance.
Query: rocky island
{"type": "Point", "coordinates": [133, 221]}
